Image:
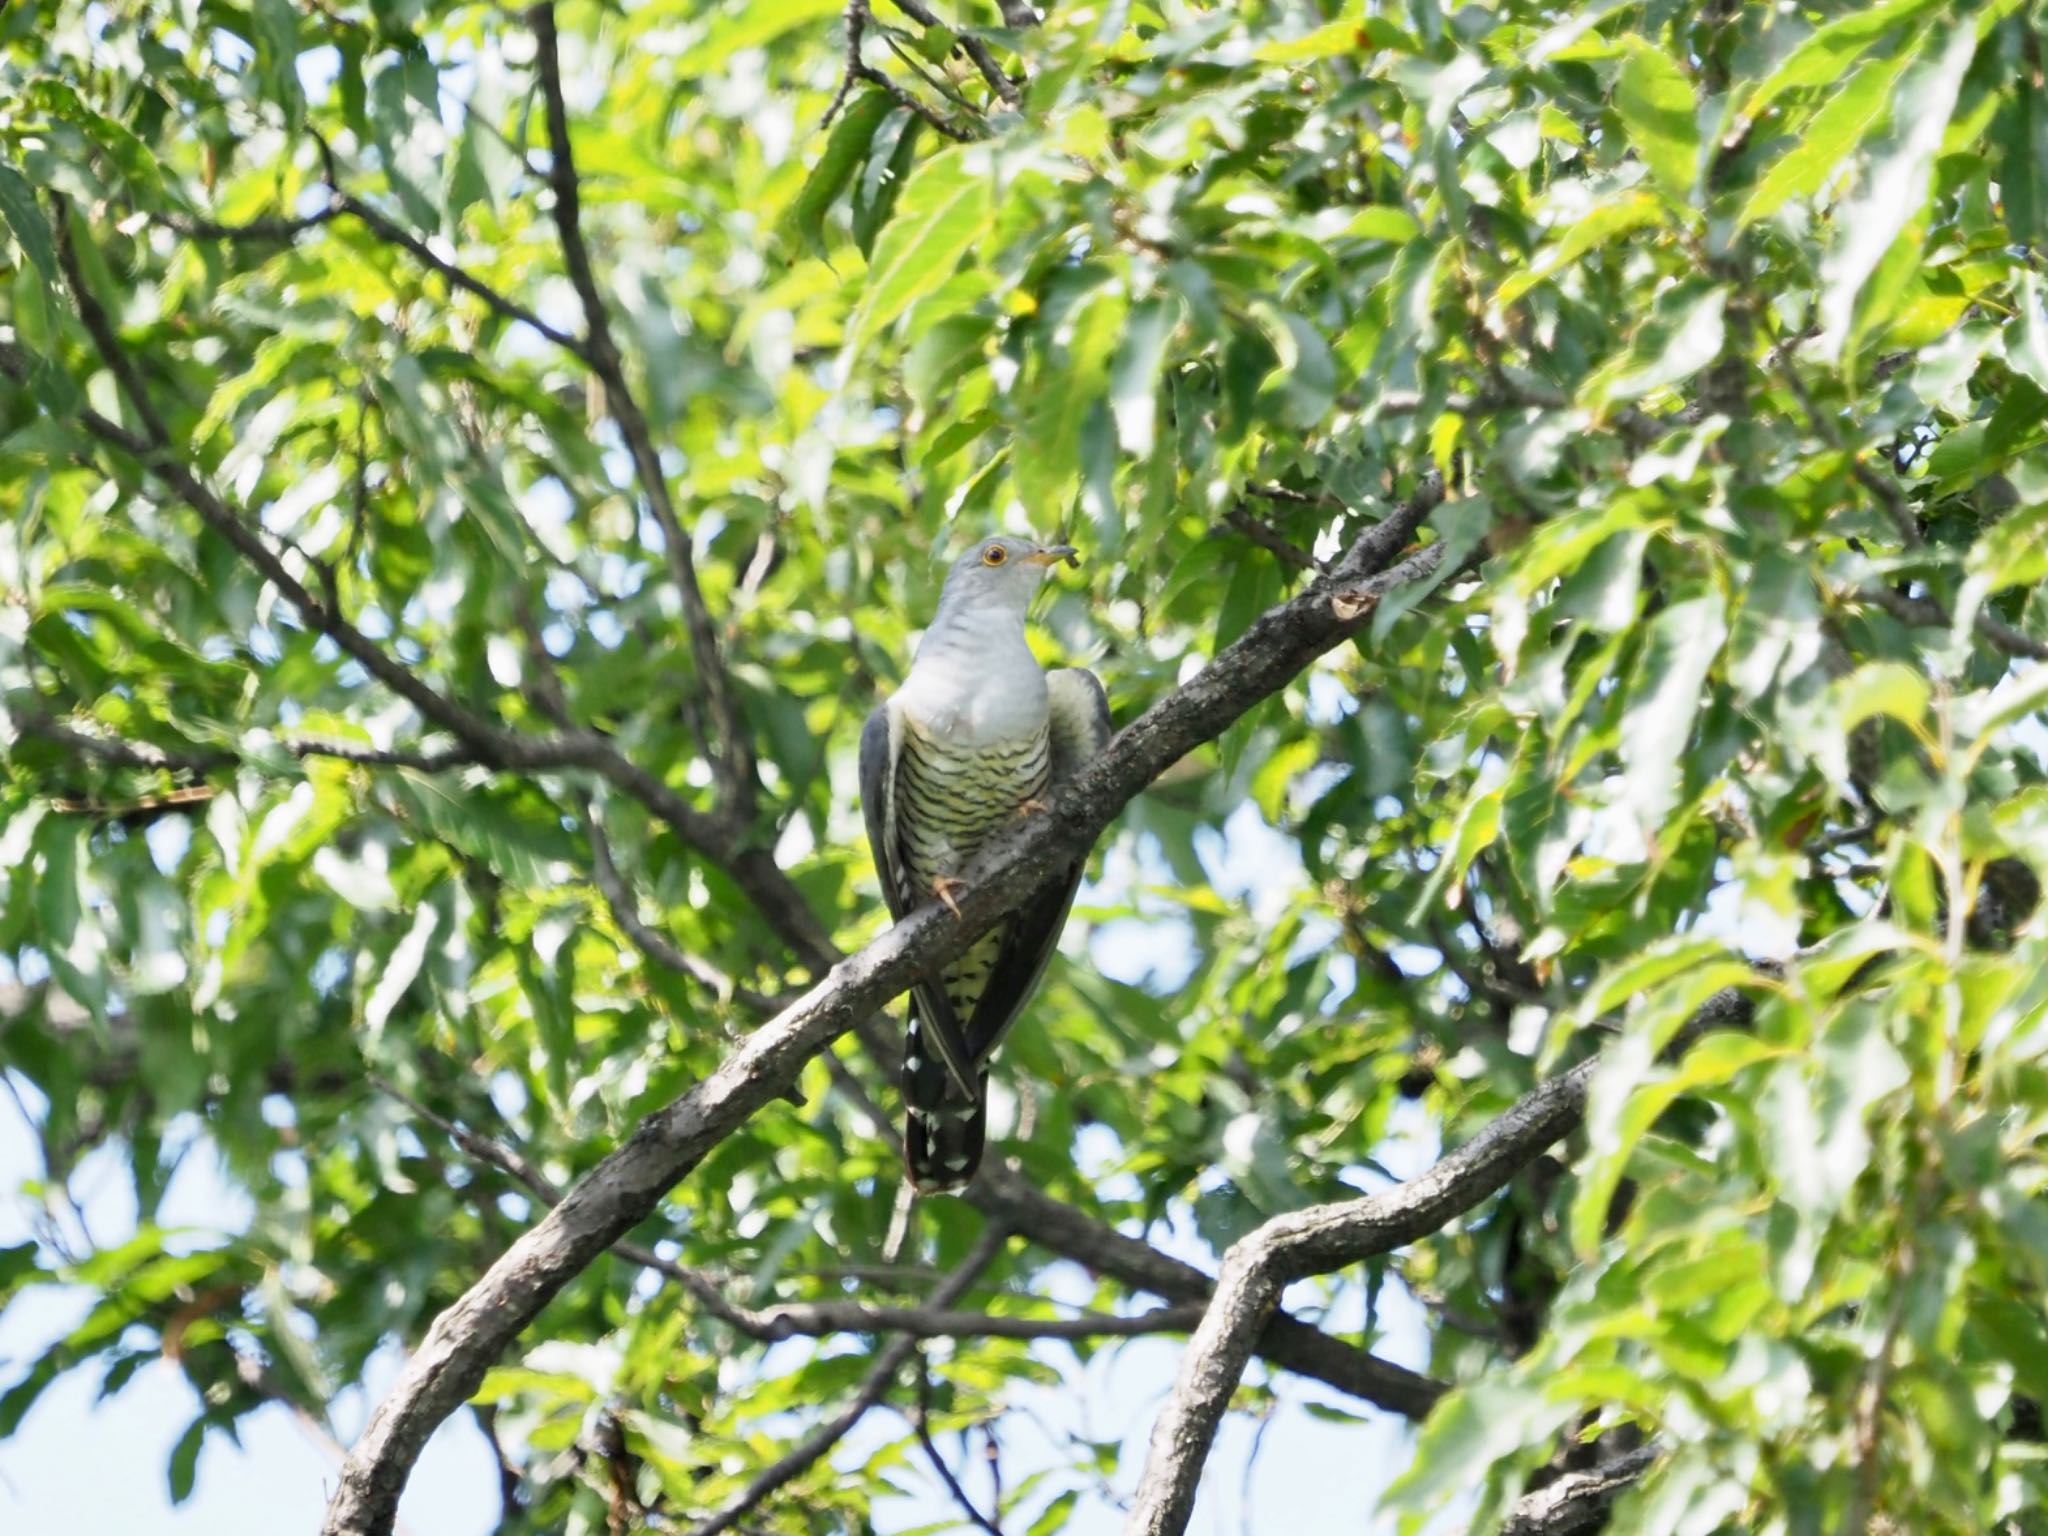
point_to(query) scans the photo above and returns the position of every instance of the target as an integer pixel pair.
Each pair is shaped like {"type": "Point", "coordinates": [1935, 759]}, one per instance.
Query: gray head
{"type": "Point", "coordinates": [1001, 575]}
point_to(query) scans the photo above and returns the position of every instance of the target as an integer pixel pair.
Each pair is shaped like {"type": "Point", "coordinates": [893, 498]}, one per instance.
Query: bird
{"type": "Point", "coordinates": [973, 738]}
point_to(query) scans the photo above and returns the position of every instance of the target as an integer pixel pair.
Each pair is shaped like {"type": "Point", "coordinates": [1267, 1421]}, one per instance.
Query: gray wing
{"type": "Point", "coordinates": [881, 742]}
{"type": "Point", "coordinates": [1079, 723]}
{"type": "Point", "coordinates": [881, 745]}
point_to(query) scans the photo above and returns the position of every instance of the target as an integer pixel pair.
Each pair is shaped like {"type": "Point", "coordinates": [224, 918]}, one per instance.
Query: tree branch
{"type": "Point", "coordinates": [621, 1190]}
{"type": "Point", "coordinates": [1577, 1501]}
{"type": "Point", "coordinates": [732, 758]}
{"type": "Point", "coordinates": [1004, 1193]}
{"type": "Point", "coordinates": [1925, 612]}
{"type": "Point", "coordinates": [1314, 1241]}
{"type": "Point", "coordinates": [921, 1423]}
{"type": "Point", "coordinates": [1323, 1238]}
{"type": "Point", "coordinates": [972, 45]}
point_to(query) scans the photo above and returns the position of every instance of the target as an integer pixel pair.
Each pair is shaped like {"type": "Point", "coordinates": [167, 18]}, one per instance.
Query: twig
{"type": "Point", "coordinates": [973, 46]}
{"type": "Point", "coordinates": [857, 17]}
{"type": "Point", "coordinates": [1927, 612]}
{"type": "Point", "coordinates": [1267, 537]}
{"type": "Point", "coordinates": [920, 1421]}
{"type": "Point", "coordinates": [657, 946]}
{"type": "Point", "coordinates": [383, 227]}
{"type": "Point", "coordinates": [732, 759]}
{"type": "Point", "coordinates": [874, 1386]}
{"type": "Point", "coordinates": [1896, 506]}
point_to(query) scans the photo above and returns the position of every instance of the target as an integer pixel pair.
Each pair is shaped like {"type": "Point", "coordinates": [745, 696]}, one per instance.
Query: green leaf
{"type": "Point", "coordinates": [946, 207]}
{"type": "Point", "coordinates": [1663, 698]}
{"type": "Point", "coordinates": [1069, 385]}
{"type": "Point", "coordinates": [2023, 165]}
{"type": "Point", "coordinates": [735, 27]}
{"type": "Point", "coordinates": [1608, 220]}
{"type": "Point", "coordinates": [1474, 1426]}
{"type": "Point", "coordinates": [1821, 59]}
{"type": "Point", "coordinates": [1895, 187]}
{"type": "Point", "coordinates": [24, 215]}
{"type": "Point", "coordinates": [845, 150]}
{"type": "Point", "coordinates": [1657, 106]}
{"type": "Point", "coordinates": [184, 1467]}
{"type": "Point", "coordinates": [1839, 127]}
{"type": "Point", "coordinates": [2026, 346]}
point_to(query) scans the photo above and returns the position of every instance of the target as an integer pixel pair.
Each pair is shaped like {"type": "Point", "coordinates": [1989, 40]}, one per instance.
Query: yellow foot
{"type": "Point", "coordinates": [1033, 808]}
{"type": "Point", "coordinates": [944, 887]}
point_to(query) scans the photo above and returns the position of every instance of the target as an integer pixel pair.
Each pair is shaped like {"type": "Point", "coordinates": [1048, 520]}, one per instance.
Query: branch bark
{"type": "Point", "coordinates": [1577, 1501]}
{"type": "Point", "coordinates": [1328, 1237]}
{"type": "Point", "coordinates": [1316, 1241]}
{"type": "Point", "coordinates": [620, 1191]}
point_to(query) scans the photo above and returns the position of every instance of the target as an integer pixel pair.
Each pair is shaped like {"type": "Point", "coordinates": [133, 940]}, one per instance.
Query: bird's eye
{"type": "Point", "coordinates": [995, 554]}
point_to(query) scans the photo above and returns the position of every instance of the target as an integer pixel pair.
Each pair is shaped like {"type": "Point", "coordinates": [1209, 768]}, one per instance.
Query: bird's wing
{"type": "Point", "coordinates": [881, 747]}
{"type": "Point", "coordinates": [881, 743]}
{"type": "Point", "coordinates": [1079, 724]}
{"type": "Point", "coordinates": [1078, 710]}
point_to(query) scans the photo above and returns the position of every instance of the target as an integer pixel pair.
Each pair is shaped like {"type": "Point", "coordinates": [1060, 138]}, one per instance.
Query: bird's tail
{"type": "Point", "coordinates": [943, 1127]}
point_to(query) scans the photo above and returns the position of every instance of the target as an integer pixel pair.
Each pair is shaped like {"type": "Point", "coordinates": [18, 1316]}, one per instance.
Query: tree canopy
{"type": "Point", "coordinates": [1564, 493]}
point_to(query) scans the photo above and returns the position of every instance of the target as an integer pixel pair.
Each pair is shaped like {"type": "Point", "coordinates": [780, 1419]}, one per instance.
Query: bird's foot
{"type": "Point", "coordinates": [1033, 807]}
{"type": "Point", "coordinates": [943, 887]}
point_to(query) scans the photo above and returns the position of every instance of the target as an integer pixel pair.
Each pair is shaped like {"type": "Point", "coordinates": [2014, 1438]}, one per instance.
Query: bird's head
{"type": "Point", "coordinates": [1003, 573]}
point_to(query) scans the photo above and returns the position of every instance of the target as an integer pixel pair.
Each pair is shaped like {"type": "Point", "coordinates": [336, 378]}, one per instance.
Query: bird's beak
{"type": "Point", "coordinates": [1053, 554]}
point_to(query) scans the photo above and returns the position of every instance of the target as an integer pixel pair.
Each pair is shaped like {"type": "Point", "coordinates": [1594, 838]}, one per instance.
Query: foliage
{"type": "Point", "coordinates": [1727, 327]}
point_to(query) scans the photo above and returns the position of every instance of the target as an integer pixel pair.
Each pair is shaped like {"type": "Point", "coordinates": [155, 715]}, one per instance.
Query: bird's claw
{"type": "Point", "coordinates": [944, 887]}
{"type": "Point", "coordinates": [1033, 807]}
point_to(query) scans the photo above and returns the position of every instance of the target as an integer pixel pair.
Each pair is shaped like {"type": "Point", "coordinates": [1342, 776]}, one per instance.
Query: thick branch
{"type": "Point", "coordinates": [1328, 1237]}
{"type": "Point", "coordinates": [1577, 1501]}
{"type": "Point", "coordinates": [621, 1190]}
{"type": "Point", "coordinates": [1006, 1195]}
{"type": "Point", "coordinates": [1315, 1241]}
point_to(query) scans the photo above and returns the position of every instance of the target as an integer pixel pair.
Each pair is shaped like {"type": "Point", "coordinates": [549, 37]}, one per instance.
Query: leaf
{"type": "Point", "coordinates": [184, 1468]}
{"type": "Point", "coordinates": [1663, 698]}
{"type": "Point", "coordinates": [1895, 187]}
{"type": "Point", "coordinates": [946, 207]}
{"type": "Point", "coordinates": [2026, 346]}
{"type": "Point", "coordinates": [1657, 106]}
{"type": "Point", "coordinates": [845, 150]}
{"type": "Point", "coordinates": [740, 26]}
{"type": "Point", "coordinates": [1068, 385]}
{"type": "Point", "coordinates": [2013, 552]}
{"type": "Point", "coordinates": [1608, 220]}
{"type": "Point", "coordinates": [1472, 1427]}
{"type": "Point", "coordinates": [1823, 144]}
{"type": "Point", "coordinates": [24, 215]}
{"type": "Point", "coordinates": [2023, 165]}
{"type": "Point", "coordinates": [401, 969]}
{"type": "Point", "coordinates": [1822, 57]}
{"type": "Point", "coordinates": [1304, 382]}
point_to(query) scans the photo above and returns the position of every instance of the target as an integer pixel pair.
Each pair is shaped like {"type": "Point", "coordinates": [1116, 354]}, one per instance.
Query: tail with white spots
{"type": "Point", "coordinates": [943, 1127]}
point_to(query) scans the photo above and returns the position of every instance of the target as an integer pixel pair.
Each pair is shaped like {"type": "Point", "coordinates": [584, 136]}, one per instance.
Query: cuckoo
{"type": "Point", "coordinates": [969, 742]}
